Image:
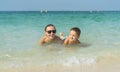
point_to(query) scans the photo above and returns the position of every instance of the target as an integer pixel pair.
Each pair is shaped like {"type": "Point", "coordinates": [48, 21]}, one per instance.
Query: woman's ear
{"type": "Point", "coordinates": [45, 33]}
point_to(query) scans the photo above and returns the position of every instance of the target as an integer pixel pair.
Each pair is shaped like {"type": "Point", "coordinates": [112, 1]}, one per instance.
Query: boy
{"type": "Point", "coordinates": [50, 35]}
{"type": "Point", "coordinates": [73, 36]}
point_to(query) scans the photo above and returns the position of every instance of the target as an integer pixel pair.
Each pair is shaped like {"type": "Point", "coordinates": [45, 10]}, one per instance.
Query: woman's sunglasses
{"type": "Point", "coordinates": [51, 31]}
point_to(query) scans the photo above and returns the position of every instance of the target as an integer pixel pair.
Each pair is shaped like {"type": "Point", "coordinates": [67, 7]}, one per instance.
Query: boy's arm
{"type": "Point", "coordinates": [61, 36]}
{"type": "Point", "coordinates": [66, 41]}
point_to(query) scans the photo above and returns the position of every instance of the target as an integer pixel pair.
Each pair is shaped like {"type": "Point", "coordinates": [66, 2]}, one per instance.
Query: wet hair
{"type": "Point", "coordinates": [49, 25]}
{"type": "Point", "coordinates": [77, 30]}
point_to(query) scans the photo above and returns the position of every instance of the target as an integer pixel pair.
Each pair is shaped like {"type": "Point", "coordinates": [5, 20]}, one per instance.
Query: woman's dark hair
{"type": "Point", "coordinates": [49, 25]}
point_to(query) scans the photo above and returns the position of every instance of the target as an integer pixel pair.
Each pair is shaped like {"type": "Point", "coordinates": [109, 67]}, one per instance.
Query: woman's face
{"type": "Point", "coordinates": [50, 32]}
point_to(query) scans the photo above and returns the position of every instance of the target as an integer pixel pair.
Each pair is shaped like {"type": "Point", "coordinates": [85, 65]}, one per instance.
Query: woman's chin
{"type": "Point", "coordinates": [51, 37]}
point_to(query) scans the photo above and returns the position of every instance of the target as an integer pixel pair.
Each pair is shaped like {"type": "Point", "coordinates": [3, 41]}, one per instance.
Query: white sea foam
{"type": "Point", "coordinates": [73, 61]}
{"type": "Point", "coordinates": [77, 61]}
{"type": "Point", "coordinates": [7, 55]}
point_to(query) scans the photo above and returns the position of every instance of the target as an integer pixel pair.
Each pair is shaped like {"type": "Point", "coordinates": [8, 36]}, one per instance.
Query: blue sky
{"type": "Point", "coordinates": [37, 5]}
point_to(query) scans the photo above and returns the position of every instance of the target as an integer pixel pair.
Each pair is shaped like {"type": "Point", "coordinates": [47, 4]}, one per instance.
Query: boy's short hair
{"type": "Point", "coordinates": [49, 25]}
{"type": "Point", "coordinates": [77, 30]}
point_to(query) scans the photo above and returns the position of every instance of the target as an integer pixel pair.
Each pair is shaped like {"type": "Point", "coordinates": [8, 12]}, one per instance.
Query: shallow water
{"type": "Point", "coordinates": [20, 33]}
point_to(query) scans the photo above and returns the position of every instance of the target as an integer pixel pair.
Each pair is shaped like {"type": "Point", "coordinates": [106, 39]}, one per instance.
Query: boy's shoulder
{"type": "Point", "coordinates": [77, 42]}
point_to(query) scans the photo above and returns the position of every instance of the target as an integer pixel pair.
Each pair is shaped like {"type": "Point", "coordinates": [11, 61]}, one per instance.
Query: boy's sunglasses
{"type": "Point", "coordinates": [53, 31]}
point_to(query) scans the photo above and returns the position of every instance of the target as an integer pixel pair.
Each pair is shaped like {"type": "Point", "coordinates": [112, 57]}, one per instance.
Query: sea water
{"type": "Point", "coordinates": [20, 33]}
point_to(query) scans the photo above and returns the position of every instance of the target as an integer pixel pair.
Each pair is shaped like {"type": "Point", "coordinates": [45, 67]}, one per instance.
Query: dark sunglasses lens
{"type": "Point", "coordinates": [54, 31]}
{"type": "Point", "coordinates": [49, 32]}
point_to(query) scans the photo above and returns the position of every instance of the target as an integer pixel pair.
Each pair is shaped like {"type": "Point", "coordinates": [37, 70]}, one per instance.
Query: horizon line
{"type": "Point", "coordinates": [61, 10]}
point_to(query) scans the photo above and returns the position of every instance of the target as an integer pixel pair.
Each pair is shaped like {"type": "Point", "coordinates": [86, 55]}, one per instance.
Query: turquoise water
{"type": "Point", "coordinates": [20, 33]}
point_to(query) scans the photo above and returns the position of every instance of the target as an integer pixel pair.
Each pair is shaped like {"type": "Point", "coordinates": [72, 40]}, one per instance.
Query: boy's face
{"type": "Point", "coordinates": [50, 32]}
{"type": "Point", "coordinates": [73, 35]}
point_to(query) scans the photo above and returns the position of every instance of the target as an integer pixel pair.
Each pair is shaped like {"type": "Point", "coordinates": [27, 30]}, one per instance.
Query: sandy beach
{"type": "Point", "coordinates": [105, 65]}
